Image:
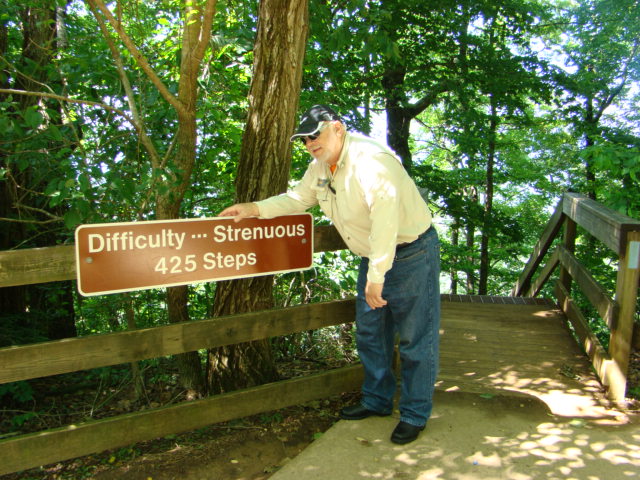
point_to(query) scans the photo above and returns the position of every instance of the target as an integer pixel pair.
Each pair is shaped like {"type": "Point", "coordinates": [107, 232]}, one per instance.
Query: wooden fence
{"type": "Point", "coordinates": [620, 234]}
{"type": "Point", "coordinates": [42, 265]}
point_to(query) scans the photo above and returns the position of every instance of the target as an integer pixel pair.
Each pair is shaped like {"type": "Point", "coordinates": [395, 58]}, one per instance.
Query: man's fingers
{"type": "Point", "coordinates": [375, 301]}
{"type": "Point", "coordinates": [240, 211]}
{"type": "Point", "coordinates": [373, 295]}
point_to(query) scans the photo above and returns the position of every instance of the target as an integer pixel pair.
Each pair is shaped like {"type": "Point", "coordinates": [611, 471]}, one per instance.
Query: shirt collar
{"type": "Point", "coordinates": [345, 148]}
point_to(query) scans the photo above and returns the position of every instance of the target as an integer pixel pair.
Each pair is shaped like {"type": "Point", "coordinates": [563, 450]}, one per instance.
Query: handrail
{"type": "Point", "coordinates": [619, 233]}
{"type": "Point", "coordinates": [539, 251]}
{"type": "Point", "coordinates": [604, 223]}
{"type": "Point", "coordinates": [84, 353]}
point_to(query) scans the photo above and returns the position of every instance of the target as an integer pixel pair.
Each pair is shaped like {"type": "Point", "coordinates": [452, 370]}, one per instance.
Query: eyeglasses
{"type": "Point", "coordinates": [314, 136]}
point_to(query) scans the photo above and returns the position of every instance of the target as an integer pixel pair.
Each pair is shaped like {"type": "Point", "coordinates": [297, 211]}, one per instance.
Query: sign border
{"type": "Point", "coordinates": [177, 284]}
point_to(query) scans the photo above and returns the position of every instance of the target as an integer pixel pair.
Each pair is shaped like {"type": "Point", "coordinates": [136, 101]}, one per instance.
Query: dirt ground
{"type": "Point", "coordinates": [249, 452]}
{"type": "Point", "coordinates": [251, 448]}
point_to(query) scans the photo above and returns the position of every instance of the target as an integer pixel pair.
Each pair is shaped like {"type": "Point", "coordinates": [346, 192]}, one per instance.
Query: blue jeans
{"type": "Point", "coordinates": [412, 292]}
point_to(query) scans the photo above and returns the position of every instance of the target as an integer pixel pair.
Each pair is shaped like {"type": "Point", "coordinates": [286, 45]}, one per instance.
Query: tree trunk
{"type": "Point", "coordinates": [195, 29]}
{"type": "Point", "coordinates": [196, 37]}
{"type": "Point", "coordinates": [263, 171]}
{"type": "Point", "coordinates": [32, 305]}
{"type": "Point", "coordinates": [470, 235]}
{"type": "Point", "coordinates": [488, 202]}
{"type": "Point", "coordinates": [398, 119]}
{"type": "Point", "coordinates": [455, 244]}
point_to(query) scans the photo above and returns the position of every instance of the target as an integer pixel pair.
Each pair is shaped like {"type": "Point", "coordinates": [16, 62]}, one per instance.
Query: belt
{"type": "Point", "coordinates": [400, 246]}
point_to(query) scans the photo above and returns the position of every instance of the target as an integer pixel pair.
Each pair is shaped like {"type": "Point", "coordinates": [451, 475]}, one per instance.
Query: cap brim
{"type": "Point", "coordinates": [305, 130]}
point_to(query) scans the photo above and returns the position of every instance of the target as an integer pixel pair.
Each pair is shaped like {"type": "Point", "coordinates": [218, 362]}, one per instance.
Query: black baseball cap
{"type": "Point", "coordinates": [311, 119]}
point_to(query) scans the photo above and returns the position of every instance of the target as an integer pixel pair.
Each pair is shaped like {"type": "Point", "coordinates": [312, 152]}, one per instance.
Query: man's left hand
{"type": "Point", "coordinates": [373, 295]}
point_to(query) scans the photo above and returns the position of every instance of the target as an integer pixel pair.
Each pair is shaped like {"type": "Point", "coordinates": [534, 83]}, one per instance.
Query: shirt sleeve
{"type": "Point", "coordinates": [381, 183]}
{"type": "Point", "coordinates": [299, 199]}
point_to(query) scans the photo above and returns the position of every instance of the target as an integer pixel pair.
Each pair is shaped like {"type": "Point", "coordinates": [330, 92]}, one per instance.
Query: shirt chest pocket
{"type": "Point", "coordinates": [323, 195]}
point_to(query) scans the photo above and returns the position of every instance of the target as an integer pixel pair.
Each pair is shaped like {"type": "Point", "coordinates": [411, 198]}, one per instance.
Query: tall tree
{"type": "Point", "coordinates": [263, 170]}
{"type": "Point", "coordinates": [394, 55]}
{"type": "Point", "coordinates": [600, 59]}
{"type": "Point", "coordinates": [197, 20]}
{"type": "Point", "coordinates": [500, 80]}
{"type": "Point", "coordinates": [31, 146]}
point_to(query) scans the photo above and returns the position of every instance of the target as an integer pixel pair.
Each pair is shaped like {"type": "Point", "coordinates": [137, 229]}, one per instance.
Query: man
{"type": "Point", "coordinates": [377, 209]}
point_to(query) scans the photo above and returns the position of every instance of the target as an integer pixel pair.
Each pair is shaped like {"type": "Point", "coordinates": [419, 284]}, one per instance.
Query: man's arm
{"type": "Point", "coordinates": [380, 187]}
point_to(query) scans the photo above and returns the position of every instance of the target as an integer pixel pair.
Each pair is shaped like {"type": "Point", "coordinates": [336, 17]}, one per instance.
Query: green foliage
{"type": "Point", "coordinates": [333, 277]}
{"type": "Point", "coordinates": [18, 392]}
{"type": "Point", "coordinates": [634, 392]}
{"type": "Point", "coordinates": [618, 167]}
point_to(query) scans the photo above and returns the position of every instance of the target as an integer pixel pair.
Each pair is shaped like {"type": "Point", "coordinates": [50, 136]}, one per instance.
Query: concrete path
{"type": "Point", "coordinates": [478, 436]}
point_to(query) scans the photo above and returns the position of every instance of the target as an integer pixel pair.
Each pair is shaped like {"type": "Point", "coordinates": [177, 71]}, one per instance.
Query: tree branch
{"type": "Point", "coordinates": [137, 55]}
{"type": "Point", "coordinates": [207, 25]}
{"type": "Point", "coordinates": [616, 91]}
{"type": "Point", "coordinates": [12, 91]}
{"type": "Point", "coordinates": [52, 218]}
{"type": "Point", "coordinates": [139, 123]}
{"type": "Point", "coordinates": [428, 100]}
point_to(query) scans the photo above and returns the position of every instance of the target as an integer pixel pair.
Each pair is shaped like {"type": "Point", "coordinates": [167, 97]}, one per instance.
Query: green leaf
{"type": "Point", "coordinates": [72, 219]}
{"type": "Point", "coordinates": [33, 118]}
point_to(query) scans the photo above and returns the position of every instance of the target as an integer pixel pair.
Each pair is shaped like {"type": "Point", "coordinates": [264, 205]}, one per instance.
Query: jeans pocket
{"type": "Point", "coordinates": [407, 254]}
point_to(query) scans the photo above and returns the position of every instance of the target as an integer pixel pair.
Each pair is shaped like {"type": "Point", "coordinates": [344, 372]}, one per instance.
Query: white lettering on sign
{"type": "Point", "coordinates": [117, 257]}
{"type": "Point", "coordinates": [122, 241]}
{"type": "Point", "coordinates": [228, 233]}
{"type": "Point", "coordinates": [213, 260]}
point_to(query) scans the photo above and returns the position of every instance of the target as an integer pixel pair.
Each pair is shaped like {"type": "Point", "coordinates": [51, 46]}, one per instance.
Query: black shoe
{"type": "Point", "coordinates": [405, 433]}
{"type": "Point", "coordinates": [358, 412]}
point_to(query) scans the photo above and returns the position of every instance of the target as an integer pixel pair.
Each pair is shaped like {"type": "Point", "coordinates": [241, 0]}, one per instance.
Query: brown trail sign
{"type": "Point", "coordinates": [120, 257]}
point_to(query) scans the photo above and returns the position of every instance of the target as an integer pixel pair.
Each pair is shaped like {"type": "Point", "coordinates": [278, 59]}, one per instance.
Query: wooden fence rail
{"type": "Point", "coordinates": [619, 233]}
{"type": "Point", "coordinates": [74, 354]}
{"type": "Point", "coordinates": [58, 444]}
{"type": "Point", "coordinates": [21, 267]}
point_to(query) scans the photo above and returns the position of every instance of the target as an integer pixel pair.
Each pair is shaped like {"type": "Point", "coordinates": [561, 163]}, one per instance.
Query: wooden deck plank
{"type": "Point", "coordinates": [517, 348]}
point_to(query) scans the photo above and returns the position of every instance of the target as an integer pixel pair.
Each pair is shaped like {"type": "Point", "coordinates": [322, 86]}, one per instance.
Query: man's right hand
{"type": "Point", "coordinates": [240, 211]}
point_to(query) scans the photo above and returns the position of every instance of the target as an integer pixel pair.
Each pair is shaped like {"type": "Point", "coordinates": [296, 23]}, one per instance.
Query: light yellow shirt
{"type": "Point", "coordinates": [376, 205]}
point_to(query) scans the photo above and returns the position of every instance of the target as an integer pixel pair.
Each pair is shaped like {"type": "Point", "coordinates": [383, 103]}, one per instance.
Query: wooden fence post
{"type": "Point", "coordinates": [569, 241]}
{"type": "Point", "coordinates": [622, 330]}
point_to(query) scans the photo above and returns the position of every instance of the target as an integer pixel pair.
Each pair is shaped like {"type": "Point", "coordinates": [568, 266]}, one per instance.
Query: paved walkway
{"type": "Point", "coordinates": [475, 437]}
{"type": "Point", "coordinates": [516, 399]}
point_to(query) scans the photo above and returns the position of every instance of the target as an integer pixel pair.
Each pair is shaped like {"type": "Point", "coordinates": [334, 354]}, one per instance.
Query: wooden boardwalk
{"type": "Point", "coordinates": [516, 345]}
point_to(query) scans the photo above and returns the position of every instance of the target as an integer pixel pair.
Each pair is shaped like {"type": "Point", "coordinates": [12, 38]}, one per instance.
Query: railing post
{"type": "Point", "coordinates": [622, 330]}
{"type": "Point", "coordinates": [569, 241]}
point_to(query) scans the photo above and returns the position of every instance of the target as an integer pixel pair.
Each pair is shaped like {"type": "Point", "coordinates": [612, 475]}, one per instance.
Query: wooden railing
{"type": "Point", "coordinates": [42, 265]}
{"type": "Point", "coordinates": [619, 233]}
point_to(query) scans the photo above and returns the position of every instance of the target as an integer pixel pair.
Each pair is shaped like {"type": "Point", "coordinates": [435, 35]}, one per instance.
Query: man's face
{"type": "Point", "coordinates": [328, 145]}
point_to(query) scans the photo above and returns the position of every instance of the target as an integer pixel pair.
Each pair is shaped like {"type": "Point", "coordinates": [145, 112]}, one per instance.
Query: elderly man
{"type": "Point", "coordinates": [377, 209]}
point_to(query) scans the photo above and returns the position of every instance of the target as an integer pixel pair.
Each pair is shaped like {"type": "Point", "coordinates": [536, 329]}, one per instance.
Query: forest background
{"type": "Point", "coordinates": [167, 109]}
